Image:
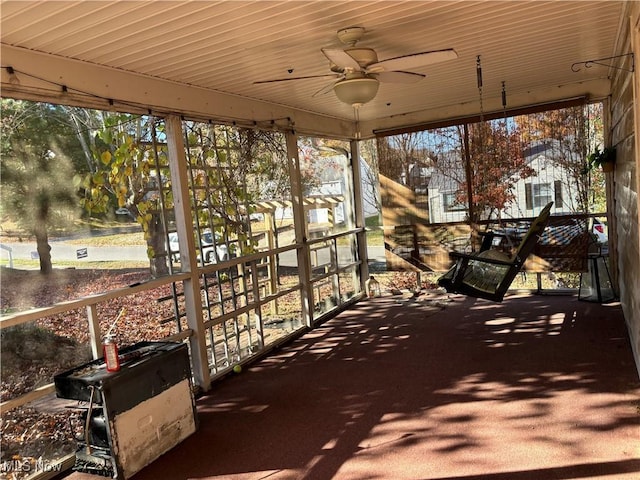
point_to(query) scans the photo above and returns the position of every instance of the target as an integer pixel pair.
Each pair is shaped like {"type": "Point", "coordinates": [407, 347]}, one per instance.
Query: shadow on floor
{"type": "Point", "coordinates": [433, 387]}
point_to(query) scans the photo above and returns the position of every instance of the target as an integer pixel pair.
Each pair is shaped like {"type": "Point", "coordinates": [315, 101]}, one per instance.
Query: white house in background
{"type": "Point", "coordinates": [551, 183]}
{"type": "Point", "coordinates": [370, 192]}
{"type": "Point", "coordinates": [332, 183]}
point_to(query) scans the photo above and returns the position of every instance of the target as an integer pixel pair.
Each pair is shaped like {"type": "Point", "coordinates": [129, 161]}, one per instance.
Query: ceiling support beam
{"type": "Point", "coordinates": [512, 112]}
{"type": "Point", "coordinates": [48, 78]}
{"type": "Point", "coordinates": [537, 100]}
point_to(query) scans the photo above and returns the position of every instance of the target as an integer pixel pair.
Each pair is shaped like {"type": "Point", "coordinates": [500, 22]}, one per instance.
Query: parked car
{"type": "Point", "coordinates": [599, 230]}
{"type": "Point", "coordinates": [124, 215]}
{"type": "Point", "coordinates": [209, 253]}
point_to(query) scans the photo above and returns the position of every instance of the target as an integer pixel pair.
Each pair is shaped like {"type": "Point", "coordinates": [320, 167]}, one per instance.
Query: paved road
{"type": "Point", "coordinates": [64, 251]}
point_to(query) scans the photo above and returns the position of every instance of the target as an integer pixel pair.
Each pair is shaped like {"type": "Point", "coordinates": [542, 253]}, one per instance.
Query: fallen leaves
{"type": "Point", "coordinates": [33, 353]}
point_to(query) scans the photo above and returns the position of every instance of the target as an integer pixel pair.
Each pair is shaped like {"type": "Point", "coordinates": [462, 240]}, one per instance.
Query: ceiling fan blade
{"type": "Point", "coordinates": [341, 59]}
{"type": "Point", "coordinates": [399, 77]}
{"type": "Point", "coordinates": [326, 89]}
{"type": "Point", "coordinates": [294, 78]}
{"type": "Point", "coordinates": [409, 62]}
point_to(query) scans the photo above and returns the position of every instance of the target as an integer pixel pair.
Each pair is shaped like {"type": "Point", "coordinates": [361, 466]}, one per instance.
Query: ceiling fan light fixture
{"type": "Point", "coordinates": [356, 91]}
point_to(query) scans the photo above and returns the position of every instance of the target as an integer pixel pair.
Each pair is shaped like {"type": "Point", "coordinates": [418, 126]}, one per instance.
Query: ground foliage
{"type": "Point", "coordinates": [30, 436]}
{"type": "Point", "coordinates": [64, 338]}
{"type": "Point", "coordinates": [33, 353]}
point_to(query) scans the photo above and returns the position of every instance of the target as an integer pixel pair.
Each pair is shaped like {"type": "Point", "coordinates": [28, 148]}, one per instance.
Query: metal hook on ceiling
{"type": "Point", "coordinates": [605, 62]}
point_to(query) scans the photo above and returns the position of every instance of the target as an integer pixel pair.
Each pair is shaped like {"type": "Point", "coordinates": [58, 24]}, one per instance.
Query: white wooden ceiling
{"type": "Point", "coordinates": [151, 49]}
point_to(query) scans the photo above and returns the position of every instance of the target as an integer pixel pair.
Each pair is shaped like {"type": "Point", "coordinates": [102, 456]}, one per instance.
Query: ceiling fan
{"type": "Point", "coordinates": [357, 72]}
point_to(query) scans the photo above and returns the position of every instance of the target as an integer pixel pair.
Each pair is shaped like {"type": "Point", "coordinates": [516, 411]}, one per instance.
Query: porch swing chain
{"type": "Point", "coordinates": [506, 121]}
{"type": "Point", "coordinates": [504, 101]}
{"type": "Point", "coordinates": [468, 171]}
{"type": "Point", "coordinates": [479, 78]}
{"type": "Point", "coordinates": [504, 104]}
{"type": "Point", "coordinates": [506, 136]}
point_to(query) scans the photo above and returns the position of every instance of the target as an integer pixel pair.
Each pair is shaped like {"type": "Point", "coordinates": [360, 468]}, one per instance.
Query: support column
{"type": "Point", "coordinates": [184, 226]}
{"type": "Point", "coordinates": [300, 225]}
{"type": "Point", "coordinates": [358, 208]}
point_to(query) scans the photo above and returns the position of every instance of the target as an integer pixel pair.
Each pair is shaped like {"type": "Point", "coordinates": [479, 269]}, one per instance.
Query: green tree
{"type": "Point", "coordinates": [40, 153]}
{"type": "Point", "coordinates": [129, 169]}
{"type": "Point", "coordinates": [232, 170]}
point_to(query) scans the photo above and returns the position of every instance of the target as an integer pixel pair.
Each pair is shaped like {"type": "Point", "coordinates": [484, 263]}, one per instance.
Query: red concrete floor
{"type": "Point", "coordinates": [436, 387]}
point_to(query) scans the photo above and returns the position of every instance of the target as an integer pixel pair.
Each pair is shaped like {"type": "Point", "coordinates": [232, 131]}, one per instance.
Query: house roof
{"type": "Point", "coordinates": [202, 58]}
{"type": "Point", "coordinates": [445, 179]}
{"type": "Point", "coordinates": [551, 149]}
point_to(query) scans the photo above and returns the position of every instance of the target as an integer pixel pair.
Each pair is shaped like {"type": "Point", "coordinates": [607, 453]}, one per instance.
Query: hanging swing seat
{"type": "Point", "coordinates": [489, 273]}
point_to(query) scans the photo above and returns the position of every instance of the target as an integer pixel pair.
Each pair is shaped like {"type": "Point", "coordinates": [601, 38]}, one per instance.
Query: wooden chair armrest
{"type": "Point", "coordinates": [475, 258]}
{"type": "Point", "coordinates": [487, 240]}
{"type": "Point", "coordinates": [497, 234]}
{"type": "Point", "coordinates": [502, 234]}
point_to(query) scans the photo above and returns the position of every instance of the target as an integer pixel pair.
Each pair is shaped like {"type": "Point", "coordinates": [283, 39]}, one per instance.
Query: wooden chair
{"type": "Point", "coordinates": [489, 273]}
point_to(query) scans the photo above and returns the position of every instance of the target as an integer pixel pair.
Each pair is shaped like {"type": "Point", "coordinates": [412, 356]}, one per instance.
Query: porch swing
{"type": "Point", "coordinates": [489, 273]}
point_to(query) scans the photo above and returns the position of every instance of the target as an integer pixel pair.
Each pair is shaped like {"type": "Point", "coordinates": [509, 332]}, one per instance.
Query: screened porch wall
{"type": "Point", "coordinates": [516, 165]}
{"type": "Point", "coordinates": [274, 235]}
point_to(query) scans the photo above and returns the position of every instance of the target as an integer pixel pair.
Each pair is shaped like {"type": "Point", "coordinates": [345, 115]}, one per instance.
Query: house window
{"type": "Point", "coordinates": [451, 204]}
{"type": "Point", "coordinates": [538, 195]}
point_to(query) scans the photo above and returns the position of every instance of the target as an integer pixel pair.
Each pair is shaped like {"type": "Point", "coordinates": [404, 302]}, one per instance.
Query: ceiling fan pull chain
{"type": "Point", "coordinates": [356, 115]}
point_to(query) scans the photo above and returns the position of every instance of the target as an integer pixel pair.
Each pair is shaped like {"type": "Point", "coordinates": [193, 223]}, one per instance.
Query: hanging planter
{"type": "Point", "coordinates": [604, 159]}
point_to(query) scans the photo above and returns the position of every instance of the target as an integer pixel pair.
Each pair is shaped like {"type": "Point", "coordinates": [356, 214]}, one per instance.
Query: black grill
{"type": "Point", "coordinates": [147, 369]}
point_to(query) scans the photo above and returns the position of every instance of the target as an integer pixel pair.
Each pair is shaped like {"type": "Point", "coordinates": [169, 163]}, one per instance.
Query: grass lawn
{"type": "Point", "coordinates": [117, 239]}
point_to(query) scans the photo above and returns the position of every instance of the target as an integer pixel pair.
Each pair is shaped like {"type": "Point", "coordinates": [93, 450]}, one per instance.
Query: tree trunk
{"type": "Point", "coordinates": [40, 231]}
{"type": "Point", "coordinates": [157, 241]}
{"type": "Point", "coordinates": [44, 249]}
{"type": "Point", "coordinates": [83, 142]}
